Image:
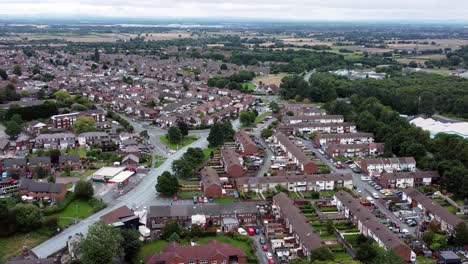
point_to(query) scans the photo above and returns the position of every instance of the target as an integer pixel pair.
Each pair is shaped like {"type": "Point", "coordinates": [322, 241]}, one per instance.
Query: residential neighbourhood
{"type": "Point", "coordinates": [226, 143]}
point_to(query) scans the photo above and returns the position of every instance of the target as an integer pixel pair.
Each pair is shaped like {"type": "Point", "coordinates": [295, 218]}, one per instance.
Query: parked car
{"type": "Point", "coordinates": [242, 231]}
{"type": "Point", "coordinates": [265, 248]}
{"type": "Point", "coordinates": [271, 261]}
{"type": "Point", "coordinates": [174, 198]}
{"type": "Point", "coordinates": [262, 240]}
{"type": "Point", "coordinates": [251, 231]}
{"type": "Point", "coordinates": [211, 200]}
{"type": "Point", "coordinates": [268, 255]}
{"type": "Point", "coordinates": [205, 200]}
{"type": "Point", "coordinates": [200, 199]}
{"type": "Point", "coordinates": [195, 200]}
{"type": "Point", "coordinates": [375, 195]}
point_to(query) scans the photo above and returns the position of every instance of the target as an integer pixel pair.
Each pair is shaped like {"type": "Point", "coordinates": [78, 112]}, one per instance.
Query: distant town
{"type": "Point", "coordinates": [247, 143]}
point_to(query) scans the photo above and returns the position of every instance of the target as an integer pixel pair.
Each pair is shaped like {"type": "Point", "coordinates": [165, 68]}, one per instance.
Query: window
{"type": "Point", "coordinates": [191, 262]}
{"type": "Point", "coordinates": [214, 262]}
{"type": "Point", "coordinates": [223, 261]}
{"type": "Point", "coordinates": [203, 262]}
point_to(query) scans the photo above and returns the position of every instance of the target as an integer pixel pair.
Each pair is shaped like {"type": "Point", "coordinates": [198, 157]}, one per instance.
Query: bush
{"type": "Point", "coordinates": [96, 204]}
{"type": "Point", "coordinates": [50, 222]}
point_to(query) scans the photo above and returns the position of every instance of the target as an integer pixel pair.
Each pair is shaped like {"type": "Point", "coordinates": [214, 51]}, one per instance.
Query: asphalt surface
{"type": "Point", "coordinates": [366, 189]}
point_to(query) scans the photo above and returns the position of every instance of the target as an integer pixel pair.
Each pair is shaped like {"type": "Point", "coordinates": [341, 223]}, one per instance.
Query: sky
{"type": "Point", "coordinates": [323, 10]}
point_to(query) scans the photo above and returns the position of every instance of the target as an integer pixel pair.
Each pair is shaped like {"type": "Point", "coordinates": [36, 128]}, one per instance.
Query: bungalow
{"type": "Point", "coordinates": [370, 226]}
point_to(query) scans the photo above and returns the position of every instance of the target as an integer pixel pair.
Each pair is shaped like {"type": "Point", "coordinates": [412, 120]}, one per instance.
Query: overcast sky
{"type": "Point", "coordinates": [355, 10]}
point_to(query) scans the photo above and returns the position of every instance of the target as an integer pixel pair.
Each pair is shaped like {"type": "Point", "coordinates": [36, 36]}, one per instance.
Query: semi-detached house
{"type": "Point", "coordinates": [376, 166]}
{"type": "Point", "coordinates": [404, 179]}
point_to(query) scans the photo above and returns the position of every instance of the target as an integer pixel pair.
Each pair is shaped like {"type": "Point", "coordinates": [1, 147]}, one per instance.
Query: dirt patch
{"type": "Point", "coordinates": [270, 79]}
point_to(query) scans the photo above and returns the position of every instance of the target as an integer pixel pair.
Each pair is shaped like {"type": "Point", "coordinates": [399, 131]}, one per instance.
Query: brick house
{"type": "Point", "coordinates": [210, 183]}
{"type": "Point", "coordinates": [296, 155]}
{"type": "Point", "coordinates": [18, 164]}
{"type": "Point", "coordinates": [73, 161]}
{"type": "Point", "coordinates": [379, 165]}
{"type": "Point", "coordinates": [231, 163]}
{"type": "Point", "coordinates": [246, 145]}
{"type": "Point", "coordinates": [67, 120]}
{"type": "Point", "coordinates": [351, 150]}
{"type": "Point", "coordinates": [39, 190]}
{"type": "Point", "coordinates": [131, 161]}
{"type": "Point", "coordinates": [210, 253]}
{"type": "Point", "coordinates": [345, 138]}
{"type": "Point", "coordinates": [404, 179]}
{"type": "Point", "coordinates": [44, 162]}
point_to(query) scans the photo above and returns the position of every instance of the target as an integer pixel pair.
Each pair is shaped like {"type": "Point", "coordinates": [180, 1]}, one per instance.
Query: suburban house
{"type": "Point", "coordinates": [68, 120]}
{"type": "Point", "coordinates": [44, 162]}
{"type": "Point", "coordinates": [351, 150]}
{"type": "Point", "coordinates": [210, 183]}
{"type": "Point", "coordinates": [404, 179]}
{"type": "Point", "coordinates": [308, 127]}
{"type": "Point", "coordinates": [303, 109]}
{"type": "Point", "coordinates": [93, 138]}
{"type": "Point", "coordinates": [444, 218]}
{"type": "Point", "coordinates": [55, 141]}
{"type": "Point", "coordinates": [73, 161]}
{"type": "Point", "coordinates": [214, 252]}
{"type": "Point", "coordinates": [296, 224]}
{"type": "Point", "coordinates": [375, 166]}
{"type": "Point", "coordinates": [344, 138]}
{"type": "Point", "coordinates": [18, 164]}
{"type": "Point", "coordinates": [231, 163]}
{"type": "Point", "coordinates": [246, 145]}
{"type": "Point", "coordinates": [227, 215]}
{"type": "Point", "coordinates": [296, 119]}
{"type": "Point", "coordinates": [121, 217]}
{"type": "Point", "coordinates": [370, 226]}
{"type": "Point", "coordinates": [295, 154]}
{"type": "Point", "coordinates": [40, 190]}
{"type": "Point", "coordinates": [295, 183]}
{"type": "Point", "coordinates": [131, 161]}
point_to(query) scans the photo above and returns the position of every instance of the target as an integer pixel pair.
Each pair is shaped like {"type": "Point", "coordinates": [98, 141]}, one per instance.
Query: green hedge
{"type": "Point", "coordinates": [70, 197]}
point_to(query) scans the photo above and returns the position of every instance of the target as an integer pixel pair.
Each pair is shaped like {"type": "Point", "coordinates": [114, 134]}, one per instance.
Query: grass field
{"type": "Point", "coordinates": [186, 141]}
{"type": "Point", "coordinates": [188, 195]}
{"type": "Point", "coordinates": [79, 151]}
{"type": "Point", "coordinates": [224, 200]}
{"type": "Point", "coordinates": [76, 209]}
{"type": "Point", "coordinates": [261, 117]}
{"type": "Point", "coordinates": [12, 245]}
{"type": "Point", "coordinates": [159, 161]}
{"type": "Point", "coordinates": [248, 86]}
{"type": "Point", "coordinates": [270, 79]}
{"type": "Point", "coordinates": [207, 152]}
{"type": "Point", "coordinates": [151, 248]}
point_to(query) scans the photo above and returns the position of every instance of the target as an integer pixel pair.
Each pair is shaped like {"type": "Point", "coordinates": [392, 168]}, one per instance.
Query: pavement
{"type": "Point", "coordinates": [261, 256]}
{"type": "Point", "coordinates": [144, 194]}
{"type": "Point", "coordinates": [366, 189]}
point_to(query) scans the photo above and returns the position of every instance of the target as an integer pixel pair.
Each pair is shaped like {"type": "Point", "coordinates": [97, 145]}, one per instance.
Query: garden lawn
{"type": "Point", "coordinates": [424, 260]}
{"type": "Point", "coordinates": [186, 141]}
{"type": "Point", "coordinates": [207, 153]}
{"type": "Point", "coordinates": [224, 200]}
{"type": "Point", "coordinates": [77, 209]}
{"type": "Point", "coordinates": [247, 86]}
{"type": "Point", "coordinates": [261, 117]}
{"type": "Point", "coordinates": [12, 245]}
{"type": "Point", "coordinates": [224, 239]}
{"type": "Point", "coordinates": [87, 173]}
{"type": "Point", "coordinates": [342, 256]}
{"type": "Point", "coordinates": [188, 195]}
{"type": "Point", "coordinates": [78, 151]}
{"type": "Point", "coordinates": [148, 249]}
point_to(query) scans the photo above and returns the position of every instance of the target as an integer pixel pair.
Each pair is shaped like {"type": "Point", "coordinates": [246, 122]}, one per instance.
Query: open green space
{"type": "Point", "coordinates": [150, 248]}
{"type": "Point", "coordinates": [77, 151]}
{"type": "Point", "coordinates": [224, 200]}
{"type": "Point", "coordinates": [187, 140]}
{"type": "Point", "coordinates": [12, 245]}
{"type": "Point", "coordinates": [159, 160]}
{"type": "Point", "coordinates": [248, 86]}
{"type": "Point", "coordinates": [261, 117]}
{"type": "Point", "coordinates": [77, 209]}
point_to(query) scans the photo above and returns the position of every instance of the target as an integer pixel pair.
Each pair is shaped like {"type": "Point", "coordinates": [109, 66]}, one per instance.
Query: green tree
{"type": "Point", "coordinates": [144, 134]}
{"type": "Point", "coordinates": [3, 74]}
{"type": "Point", "coordinates": [167, 184]}
{"type": "Point", "coordinates": [84, 189]}
{"type": "Point", "coordinates": [40, 172]}
{"type": "Point", "coordinates": [216, 136]}
{"type": "Point", "coordinates": [228, 131]}
{"type": "Point", "coordinates": [274, 107]}
{"type": "Point", "coordinates": [183, 168]}
{"type": "Point", "coordinates": [366, 253]}
{"type": "Point", "coordinates": [51, 179]}
{"type": "Point", "coordinates": [460, 235]}
{"type": "Point", "coordinates": [101, 245]}
{"type": "Point", "coordinates": [16, 118]}
{"type": "Point", "coordinates": [330, 226]}
{"type": "Point", "coordinates": [7, 220]}
{"type": "Point", "coordinates": [223, 67]}
{"type": "Point", "coordinates": [183, 127]}
{"type": "Point", "coordinates": [12, 129]}
{"type": "Point", "coordinates": [13, 174]}
{"type": "Point", "coordinates": [321, 254]}
{"type": "Point", "coordinates": [62, 96]}
{"type": "Point", "coordinates": [387, 257]}
{"type": "Point", "coordinates": [28, 216]}
{"type": "Point", "coordinates": [196, 231]}
{"type": "Point", "coordinates": [427, 103]}
{"type": "Point", "coordinates": [174, 135]}
{"type": "Point", "coordinates": [17, 70]}
{"type": "Point", "coordinates": [84, 124]}
{"type": "Point", "coordinates": [131, 243]}
{"type": "Point", "coordinates": [171, 228]}
{"type": "Point", "coordinates": [67, 170]}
